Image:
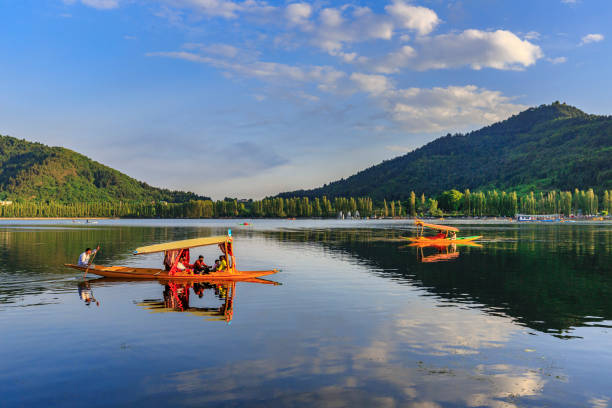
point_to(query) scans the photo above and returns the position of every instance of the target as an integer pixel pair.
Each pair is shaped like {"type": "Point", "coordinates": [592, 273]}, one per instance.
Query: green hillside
{"type": "Point", "coordinates": [549, 147]}
{"type": "Point", "coordinates": [36, 172]}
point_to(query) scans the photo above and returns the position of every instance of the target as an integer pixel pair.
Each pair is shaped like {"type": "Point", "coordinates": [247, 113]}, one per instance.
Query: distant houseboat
{"type": "Point", "coordinates": [538, 217]}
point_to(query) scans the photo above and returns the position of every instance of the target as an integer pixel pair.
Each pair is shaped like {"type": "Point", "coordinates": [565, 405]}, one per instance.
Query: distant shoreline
{"type": "Point", "coordinates": [438, 219]}
{"type": "Point", "coordinates": [58, 218]}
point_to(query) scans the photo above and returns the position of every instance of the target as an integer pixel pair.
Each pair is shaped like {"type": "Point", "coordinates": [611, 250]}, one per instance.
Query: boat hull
{"type": "Point", "coordinates": [443, 241]}
{"type": "Point", "coordinates": [128, 272]}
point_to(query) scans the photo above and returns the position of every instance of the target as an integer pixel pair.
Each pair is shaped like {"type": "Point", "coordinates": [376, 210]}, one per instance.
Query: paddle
{"type": "Point", "coordinates": [91, 261]}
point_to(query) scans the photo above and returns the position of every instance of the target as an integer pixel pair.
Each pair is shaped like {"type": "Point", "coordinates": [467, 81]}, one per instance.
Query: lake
{"type": "Point", "coordinates": [359, 318]}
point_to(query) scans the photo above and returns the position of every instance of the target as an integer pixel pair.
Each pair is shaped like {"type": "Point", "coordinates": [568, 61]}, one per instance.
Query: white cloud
{"type": "Point", "coordinates": [394, 61]}
{"type": "Point", "coordinates": [325, 78]}
{"type": "Point", "coordinates": [298, 13]}
{"type": "Point", "coordinates": [101, 4]}
{"type": "Point", "coordinates": [451, 108]}
{"type": "Point", "coordinates": [334, 28]}
{"type": "Point", "coordinates": [437, 109]}
{"type": "Point", "coordinates": [331, 17]}
{"type": "Point", "coordinates": [499, 49]}
{"type": "Point", "coordinates": [222, 8]}
{"type": "Point", "coordinates": [591, 38]}
{"type": "Point", "coordinates": [557, 60]}
{"type": "Point", "coordinates": [399, 149]}
{"type": "Point", "coordinates": [372, 84]}
{"type": "Point", "coordinates": [98, 4]}
{"type": "Point", "coordinates": [420, 19]}
{"type": "Point", "coordinates": [223, 50]}
{"type": "Point", "coordinates": [599, 402]}
{"type": "Point", "coordinates": [209, 8]}
{"type": "Point", "coordinates": [474, 48]}
{"type": "Point", "coordinates": [532, 36]}
{"type": "Point", "coordinates": [415, 110]}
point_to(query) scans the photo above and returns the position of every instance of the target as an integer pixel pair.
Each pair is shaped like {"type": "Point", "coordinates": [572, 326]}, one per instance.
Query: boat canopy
{"type": "Point", "coordinates": [420, 223]}
{"type": "Point", "coordinates": [184, 244]}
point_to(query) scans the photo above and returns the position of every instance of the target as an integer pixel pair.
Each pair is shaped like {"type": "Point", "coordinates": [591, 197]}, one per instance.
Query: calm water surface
{"type": "Point", "coordinates": [360, 318]}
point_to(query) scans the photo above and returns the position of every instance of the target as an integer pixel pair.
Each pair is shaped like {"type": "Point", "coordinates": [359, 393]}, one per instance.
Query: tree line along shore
{"type": "Point", "coordinates": [491, 203]}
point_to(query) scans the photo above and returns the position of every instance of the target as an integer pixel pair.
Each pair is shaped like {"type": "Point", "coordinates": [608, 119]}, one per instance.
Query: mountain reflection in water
{"type": "Point", "coordinates": [549, 278]}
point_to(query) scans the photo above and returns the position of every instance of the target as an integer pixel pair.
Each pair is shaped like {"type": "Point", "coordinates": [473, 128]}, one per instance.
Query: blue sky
{"type": "Point", "coordinates": [250, 98]}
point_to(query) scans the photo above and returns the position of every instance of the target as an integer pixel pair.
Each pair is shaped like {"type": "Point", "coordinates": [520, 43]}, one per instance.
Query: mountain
{"type": "Point", "coordinates": [553, 146]}
{"type": "Point", "coordinates": [34, 171]}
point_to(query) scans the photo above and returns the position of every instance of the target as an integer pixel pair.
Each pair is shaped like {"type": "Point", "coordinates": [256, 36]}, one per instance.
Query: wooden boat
{"type": "Point", "coordinates": [107, 281]}
{"type": "Point", "coordinates": [447, 240]}
{"type": "Point", "coordinates": [443, 241]}
{"type": "Point", "coordinates": [179, 251]}
{"type": "Point", "coordinates": [435, 243]}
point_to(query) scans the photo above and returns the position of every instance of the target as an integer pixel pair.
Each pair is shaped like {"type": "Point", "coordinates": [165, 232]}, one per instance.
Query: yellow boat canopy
{"type": "Point", "coordinates": [436, 227]}
{"type": "Point", "coordinates": [184, 244]}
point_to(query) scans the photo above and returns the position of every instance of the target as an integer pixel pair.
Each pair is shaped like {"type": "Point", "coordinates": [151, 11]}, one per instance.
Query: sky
{"type": "Point", "coordinates": [247, 98]}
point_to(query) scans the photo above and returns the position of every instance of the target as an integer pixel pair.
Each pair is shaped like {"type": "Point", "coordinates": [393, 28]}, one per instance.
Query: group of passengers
{"type": "Point", "coordinates": [199, 267]}
{"type": "Point", "coordinates": [444, 235]}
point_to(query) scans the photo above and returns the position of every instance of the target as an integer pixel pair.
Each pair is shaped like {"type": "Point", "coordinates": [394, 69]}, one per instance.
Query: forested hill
{"type": "Point", "coordinates": [553, 146]}
{"type": "Point", "coordinates": [36, 172]}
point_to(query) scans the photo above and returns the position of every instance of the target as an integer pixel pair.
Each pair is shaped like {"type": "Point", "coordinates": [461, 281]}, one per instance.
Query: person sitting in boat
{"type": "Point", "coordinates": [183, 264]}
{"type": "Point", "coordinates": [440, 235]}
{"type": "Point", "coordinates": [199, 266]}
{"type": "Point", "coordinates": [453, 235]}
{"type": "Point", "coordinates": [85, 257]}
{"type": "Point", "coordinates": [222, 263]}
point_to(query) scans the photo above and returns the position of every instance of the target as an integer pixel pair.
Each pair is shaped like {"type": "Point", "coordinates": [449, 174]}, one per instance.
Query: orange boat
{"type": "Point", "coordinates": [176, 254]}
{"type": "Point", "coordinates": [446, 236]}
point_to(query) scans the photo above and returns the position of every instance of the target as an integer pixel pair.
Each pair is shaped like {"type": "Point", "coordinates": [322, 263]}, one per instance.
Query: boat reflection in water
{"type": "Point", "coordinates": [441, 253]}
{"type": "Point", "coordinates": [178, 293]}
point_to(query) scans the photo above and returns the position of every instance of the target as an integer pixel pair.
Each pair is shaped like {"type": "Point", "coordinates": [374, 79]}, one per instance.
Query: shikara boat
{"type": "Point", "coordinates": [177, 252]}
{"type": "Point", "coordinates": [436, 240]}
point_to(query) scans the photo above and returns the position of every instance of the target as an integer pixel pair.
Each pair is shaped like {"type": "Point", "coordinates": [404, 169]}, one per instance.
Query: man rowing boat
{"type": "Point", "coordinates": [85, 257]}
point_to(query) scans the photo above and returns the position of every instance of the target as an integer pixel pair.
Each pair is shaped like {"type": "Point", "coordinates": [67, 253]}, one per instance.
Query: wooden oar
{"type": "Point", "coordinates": [91, 261]}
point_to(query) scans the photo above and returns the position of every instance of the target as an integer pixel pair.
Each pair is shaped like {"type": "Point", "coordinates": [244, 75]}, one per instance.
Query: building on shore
{"type": "Point", "coordinates": [538, 217]}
